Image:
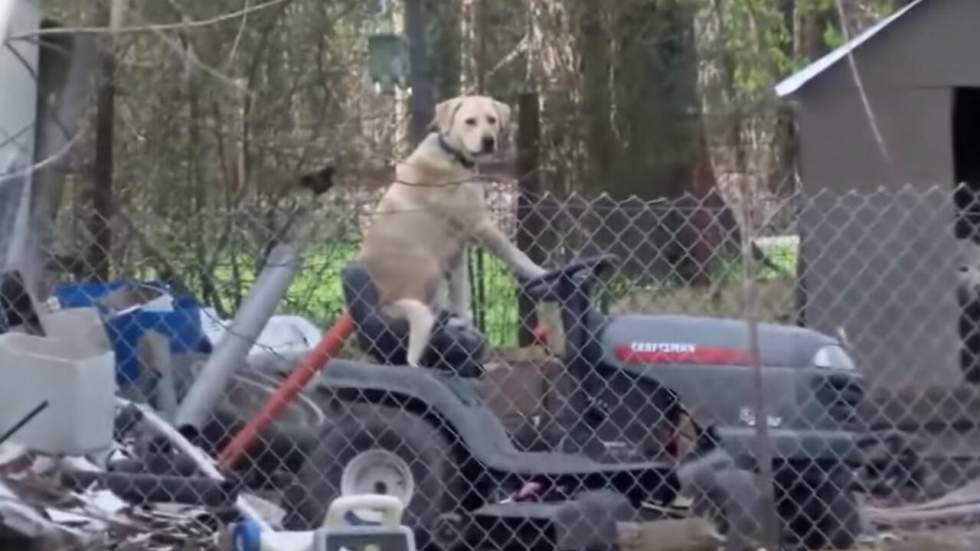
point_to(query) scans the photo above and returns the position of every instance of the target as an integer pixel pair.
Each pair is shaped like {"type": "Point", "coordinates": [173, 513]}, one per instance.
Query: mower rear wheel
{"type": "Point", "coordinates": [730, 498]}
{"type": "Point", "coordinates": [817, 505]}
{"type": "Point", "coordinates": [378, 449]}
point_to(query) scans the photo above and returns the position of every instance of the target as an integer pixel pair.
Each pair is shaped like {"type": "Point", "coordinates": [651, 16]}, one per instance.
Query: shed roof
{"type": "Point", "coordinates": [799, 79]}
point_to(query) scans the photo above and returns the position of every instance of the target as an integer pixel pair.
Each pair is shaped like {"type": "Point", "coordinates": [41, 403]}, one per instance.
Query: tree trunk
{"type": "Point", "coordinates": [644, 134]}
{"type": "Point", "coordinates": [657, 112]}
{"type": "Point", "coordinates": [782, 174]}
{"type": "Point", "coordinates": [480, 26]}
{"type": "Point", "coordinates": [100, 229]}
{"type": "Point", "coordinates": [446, 43]}
{"type": "Point", "coordinates": [596, 105]}
{"type": "Point", "coordinates": [196, 180]}
{"type": "Point", "coordinates": [811, 25]}
{"type": "Point", "coordinates": [421, 102]}
{"type": "Point", "coordinates": [639, 90]}
{"type": "Point", "coordinates": [531, 226]}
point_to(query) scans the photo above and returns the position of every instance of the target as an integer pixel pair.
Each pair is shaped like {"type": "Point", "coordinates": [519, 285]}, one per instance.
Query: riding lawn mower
{"type": "Point", "coordinates": [608, 447]}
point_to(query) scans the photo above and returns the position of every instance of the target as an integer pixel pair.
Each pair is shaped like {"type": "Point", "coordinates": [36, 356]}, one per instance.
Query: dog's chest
{"type": "Point", "coordinates": [459, 208]}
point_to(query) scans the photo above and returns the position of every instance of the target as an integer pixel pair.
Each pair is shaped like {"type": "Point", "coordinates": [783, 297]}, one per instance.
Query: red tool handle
{"type": "Point", "coordinates": [315, 359]}
{"type": "Point", "coordinates": [541, 332]}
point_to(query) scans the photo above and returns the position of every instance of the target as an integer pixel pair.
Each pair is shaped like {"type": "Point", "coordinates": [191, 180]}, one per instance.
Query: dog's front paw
{"type": "Point", "coordinates": [457, 321]}
{"type": "Point", "coordinates": [531, 274]}
{"type": "Point", "coordinates": [539, 273]}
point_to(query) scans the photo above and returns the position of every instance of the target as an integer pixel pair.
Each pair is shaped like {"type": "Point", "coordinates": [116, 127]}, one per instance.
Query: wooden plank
{"type": "Point", "coordinates": [688, 534]}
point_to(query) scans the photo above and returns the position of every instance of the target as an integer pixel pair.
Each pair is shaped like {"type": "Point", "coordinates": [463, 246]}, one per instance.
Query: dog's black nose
{"type": "Point", "coordinates": [488, 144]}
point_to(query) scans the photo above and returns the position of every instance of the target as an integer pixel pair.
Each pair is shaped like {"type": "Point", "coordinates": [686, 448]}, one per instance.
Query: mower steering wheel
{"type": "Point", "coordinates": [547, 286]}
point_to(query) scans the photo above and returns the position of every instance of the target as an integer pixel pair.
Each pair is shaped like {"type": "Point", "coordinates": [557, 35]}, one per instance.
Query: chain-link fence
{"type": "Point", "coordinates": [613, 401]}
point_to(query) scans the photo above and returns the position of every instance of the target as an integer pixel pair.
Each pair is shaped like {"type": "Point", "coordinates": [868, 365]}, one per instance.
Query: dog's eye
{"type": "Point", "coordinates": [492, 120]}
{"type": "Point", "coordinates": [470, 121]}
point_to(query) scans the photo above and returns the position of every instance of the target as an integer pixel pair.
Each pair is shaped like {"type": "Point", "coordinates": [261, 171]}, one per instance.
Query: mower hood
{"type": "Point", "coordinates": [644, 340]}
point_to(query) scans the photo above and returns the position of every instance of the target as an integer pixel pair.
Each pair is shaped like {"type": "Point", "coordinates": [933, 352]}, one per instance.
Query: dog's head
{"type": "Point", "coordinates": [473, 125]}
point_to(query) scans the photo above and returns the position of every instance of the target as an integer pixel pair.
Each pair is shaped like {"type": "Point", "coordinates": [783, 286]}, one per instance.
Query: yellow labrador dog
{"type": "Point", "coordinates": [434, 209]}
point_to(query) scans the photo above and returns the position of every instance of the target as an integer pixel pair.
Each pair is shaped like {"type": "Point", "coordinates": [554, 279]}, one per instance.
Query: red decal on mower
{"type": "Point", "coordinates": [671, 353]}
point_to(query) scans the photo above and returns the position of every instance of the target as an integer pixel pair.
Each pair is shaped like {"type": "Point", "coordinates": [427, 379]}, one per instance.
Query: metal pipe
{"type": "Point", "coordinates": [154, 351]}
{"type": "Point", "coordinates": [140, 488]}
{"type": "Point", "coordinates": [281, 267]}
{"type": "Point", "coordinates": [23, 421]}
{"type": "Point", "coordinates": [204, 463]}
{"type": "Point", "coordinates": [314, 360]}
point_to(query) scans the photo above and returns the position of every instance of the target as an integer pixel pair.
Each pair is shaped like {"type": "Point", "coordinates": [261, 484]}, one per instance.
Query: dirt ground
{"type": "Point", "coordinates": [945, 538]}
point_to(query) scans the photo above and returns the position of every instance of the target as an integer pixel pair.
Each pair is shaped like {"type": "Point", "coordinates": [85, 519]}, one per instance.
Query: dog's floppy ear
{"type": "Point", "coordinates": [503, 116]}
{"type": "Point", "coordinates": [445, 113]}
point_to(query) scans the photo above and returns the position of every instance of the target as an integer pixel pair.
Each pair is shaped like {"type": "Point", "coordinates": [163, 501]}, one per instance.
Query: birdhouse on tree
{"type": "Point", "coordinates": [387, 62]}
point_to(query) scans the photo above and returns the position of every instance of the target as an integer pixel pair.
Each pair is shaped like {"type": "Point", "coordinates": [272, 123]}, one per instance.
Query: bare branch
{"type": "Point", "coordinates": [53, 158]}
{"type": "Point", "coordinates": [238, 37]}
{"type": "Point", "coordinates": [156, 27]}
{"type": "Point", "coordinates": [521, 48]}
{"type": "Point", "coordinates": [865, 101]}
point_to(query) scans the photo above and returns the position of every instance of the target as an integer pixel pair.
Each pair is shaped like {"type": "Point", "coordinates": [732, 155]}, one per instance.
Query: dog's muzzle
{"type": "Point", "coordinates": [489, 144]}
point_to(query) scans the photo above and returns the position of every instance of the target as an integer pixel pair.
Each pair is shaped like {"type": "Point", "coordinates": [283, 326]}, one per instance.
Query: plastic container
{"type": "Point", "coordinates": [388, 534]}
{"type": "Point", "coordinates": [336, 533]}
{"type": "Point", "coordinates": [77, 382]}
{"type": "Point", "coordinates": [177, 319]}
{"type": "Point", "coordinates": [247, 536]}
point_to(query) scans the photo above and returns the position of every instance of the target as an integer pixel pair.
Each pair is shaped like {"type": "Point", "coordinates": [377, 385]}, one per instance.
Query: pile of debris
{"type": "Point", "coordinates": [149, 495]}
{"type": "Point", "coordinates": [83, 466]}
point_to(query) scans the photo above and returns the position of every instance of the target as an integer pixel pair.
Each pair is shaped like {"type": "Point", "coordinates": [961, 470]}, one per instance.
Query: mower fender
{"type": "Point", "coordinates": [787, 444]}
{"type": "Point", "coordinates": [454, 400]}
{"type": "Point", "coordinates": [456, 404]}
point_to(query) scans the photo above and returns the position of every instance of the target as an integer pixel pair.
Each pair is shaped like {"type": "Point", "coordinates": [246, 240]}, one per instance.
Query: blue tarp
{"type": "Point", "coordinates": [181, 324]}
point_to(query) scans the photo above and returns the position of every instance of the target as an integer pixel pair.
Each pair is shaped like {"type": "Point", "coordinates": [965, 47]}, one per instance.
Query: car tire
{"type": "Point", "coordinates": [399, 440]}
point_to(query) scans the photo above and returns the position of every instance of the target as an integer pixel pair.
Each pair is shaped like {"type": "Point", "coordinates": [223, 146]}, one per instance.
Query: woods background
{"type": "Point", "coordinates": [197, 129]}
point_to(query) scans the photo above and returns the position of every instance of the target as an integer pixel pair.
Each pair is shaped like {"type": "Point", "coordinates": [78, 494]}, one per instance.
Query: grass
{"type": "Point", "coordinates": [316, 291]}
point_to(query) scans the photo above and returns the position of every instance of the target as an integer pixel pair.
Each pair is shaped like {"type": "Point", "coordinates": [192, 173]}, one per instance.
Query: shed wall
{"type": "Point", "coordinates": [877, 241]}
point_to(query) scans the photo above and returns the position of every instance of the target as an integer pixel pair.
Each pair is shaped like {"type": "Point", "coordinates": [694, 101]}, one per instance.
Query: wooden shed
{"type": "Point", "coordinates": [888, 123]}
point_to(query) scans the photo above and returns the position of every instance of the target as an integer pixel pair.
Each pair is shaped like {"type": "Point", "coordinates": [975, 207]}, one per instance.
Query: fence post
{"type": "Point", "coordinates": [750, 292]}
{"type": "Point", "coordinates": [530, 225]}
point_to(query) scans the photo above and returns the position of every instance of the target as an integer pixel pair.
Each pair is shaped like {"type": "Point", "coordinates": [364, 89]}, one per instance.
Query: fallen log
{"type": "Point", "coordinates": [687, 534]}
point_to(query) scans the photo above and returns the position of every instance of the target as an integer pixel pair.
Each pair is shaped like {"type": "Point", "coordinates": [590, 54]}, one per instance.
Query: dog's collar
{"type": "Point", "coordinates": [455, 153]}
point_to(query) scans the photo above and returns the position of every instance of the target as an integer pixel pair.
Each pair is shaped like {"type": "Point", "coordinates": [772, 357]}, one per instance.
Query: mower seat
{"type": "Point", "coordinates": [458, 346]}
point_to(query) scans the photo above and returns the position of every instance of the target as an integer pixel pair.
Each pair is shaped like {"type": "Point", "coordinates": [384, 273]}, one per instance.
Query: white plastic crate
{"type": "Point", "coordinates": [77, 381]}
